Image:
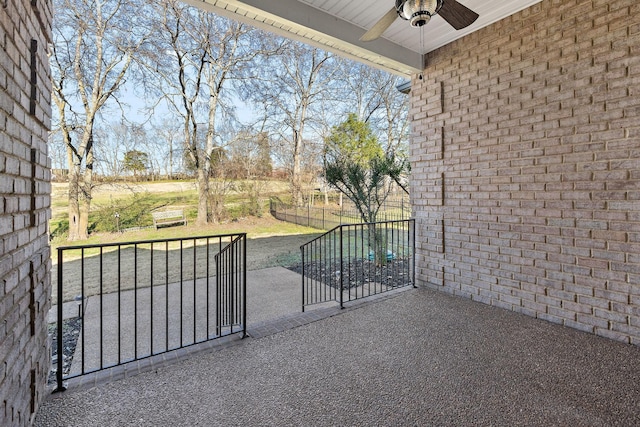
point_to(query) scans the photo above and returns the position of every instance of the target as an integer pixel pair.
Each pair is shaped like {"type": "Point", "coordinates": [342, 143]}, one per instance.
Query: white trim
{"type": "Point", "coordinates": [398, 51]}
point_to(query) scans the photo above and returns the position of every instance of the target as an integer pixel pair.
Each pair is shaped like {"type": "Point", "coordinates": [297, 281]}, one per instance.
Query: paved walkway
{"type": "Point", "coordinates": [415, 357]}
{"type": "Point", "coordinates": [272, 293]}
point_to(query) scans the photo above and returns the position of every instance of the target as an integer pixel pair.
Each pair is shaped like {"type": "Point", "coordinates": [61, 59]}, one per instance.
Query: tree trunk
{"type": "Point", "coordinates": [74, 205]}
{"type": "Point", "coordinates": [214, 196]}
{"type": "Point", "coordinates": [79, 192]}
{"type": "Point", "coordinates": [83, 225]}
{"type": "Point", "coordinates": [86, 190]}
{"type": "Point", "coordinates": [203, 197]}
{"type": "Point", "coordinates": [79, 207]}
{"type": "Point", "coordinates": [296, 178]}
{"type": "Point", "coordinates": [377, 243]}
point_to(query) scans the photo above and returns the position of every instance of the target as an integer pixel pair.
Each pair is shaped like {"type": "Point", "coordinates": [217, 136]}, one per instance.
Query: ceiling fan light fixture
{"type": "Point", "coordinates": [419, 12]}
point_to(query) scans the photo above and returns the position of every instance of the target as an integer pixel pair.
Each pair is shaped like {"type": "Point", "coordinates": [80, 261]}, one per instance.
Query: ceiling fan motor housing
{"type": "Point", "coordinates": [418, 12]}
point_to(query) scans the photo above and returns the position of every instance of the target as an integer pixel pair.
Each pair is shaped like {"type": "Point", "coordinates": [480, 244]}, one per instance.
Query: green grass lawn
{"type": "Point", "coordinates": [134, 202]}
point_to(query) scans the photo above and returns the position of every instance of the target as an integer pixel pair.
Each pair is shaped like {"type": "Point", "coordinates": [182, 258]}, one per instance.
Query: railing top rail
{"type": "Point", "coordinates": [138, 242]}
{"type": "Point", "coordinates": [229, 247]}
{"type": "Point", "coordinates": [360, 224]}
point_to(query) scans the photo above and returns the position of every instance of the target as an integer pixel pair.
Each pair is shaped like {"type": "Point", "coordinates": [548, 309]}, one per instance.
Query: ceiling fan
{"type": "Point", "coordinates": [419, 12]}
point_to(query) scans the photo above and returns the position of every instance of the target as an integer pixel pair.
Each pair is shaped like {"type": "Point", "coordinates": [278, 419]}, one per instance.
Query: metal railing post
{"type": "Point", "coordinates": [412, 224]}
{"type": "Point", "coordinates": [341, 271]}
{"type": "Point", "coordinates": [231, 284]}
{"type": "Point", "coordinates": [302, 275]}
{"type": "Point", "coordinates": [244, 285]}
{"type": "Point", "coordinates": [218, 292]}
{"type": "Point", "coordinates": [60, 362]}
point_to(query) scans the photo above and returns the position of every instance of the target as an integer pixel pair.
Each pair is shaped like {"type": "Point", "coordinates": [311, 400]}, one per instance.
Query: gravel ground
{"type": "Point", "coordinates": [70, 333]}
{"type": "Point", "coordinates": [421, 358]}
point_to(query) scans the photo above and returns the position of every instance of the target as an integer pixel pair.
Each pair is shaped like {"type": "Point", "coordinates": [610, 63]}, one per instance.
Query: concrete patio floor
{"type": "Point", "coordinates": [416, 358]}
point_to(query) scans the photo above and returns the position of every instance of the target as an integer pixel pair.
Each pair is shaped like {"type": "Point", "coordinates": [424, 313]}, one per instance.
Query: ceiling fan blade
{"type": "Point", "coordinates": [457, 15]}
{"type": "Point", "coordinates": [380, 26]}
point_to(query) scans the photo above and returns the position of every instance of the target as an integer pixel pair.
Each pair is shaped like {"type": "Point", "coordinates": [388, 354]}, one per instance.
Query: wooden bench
{"type": "Point", "coordinates": [166, 218]}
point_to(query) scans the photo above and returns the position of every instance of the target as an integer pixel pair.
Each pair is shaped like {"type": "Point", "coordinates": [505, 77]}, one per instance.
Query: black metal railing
{"type": "Point", "coordinates": [353, 261]}
{"type": "Point", "coordinates": [134, 300]}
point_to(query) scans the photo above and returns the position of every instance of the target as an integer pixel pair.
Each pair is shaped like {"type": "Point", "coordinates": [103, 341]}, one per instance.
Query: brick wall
{"type": "Point", "coordinates": [526, 165]}
{"type": "Point", "coordinates": [24, 203]}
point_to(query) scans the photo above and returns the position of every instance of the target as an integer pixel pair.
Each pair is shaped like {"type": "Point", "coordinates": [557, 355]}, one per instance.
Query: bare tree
{"type": "Point", "coordinates": [200, 55]}
{"type": "Point", "coordinates": [393, 122]}
{"type": "Point", "coordinates": [299, 80]}
{"type": "Point", "coordinates": [112, 140]}
{"type": "Point", "coordinates": [373, 96]}
{"type": "Point", "coordinates": [57, 151]}
{"type": "Point", "coordinates": [168, 146]}
{"type": "Point", "coordinates": [93, 47]}
{"type": "Point", "coordinates": [360, 84]}
{"type": "Point", "coordinates": [250, 155]}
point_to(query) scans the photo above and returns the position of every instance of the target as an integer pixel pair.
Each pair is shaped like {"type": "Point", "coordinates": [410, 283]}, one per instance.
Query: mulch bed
{"type": "Point", "coordinates": [395, 273]}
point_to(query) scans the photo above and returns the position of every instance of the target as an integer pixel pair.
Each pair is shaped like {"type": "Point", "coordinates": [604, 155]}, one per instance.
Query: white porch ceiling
{"type": "Point", "coordinates": [337, 25]}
